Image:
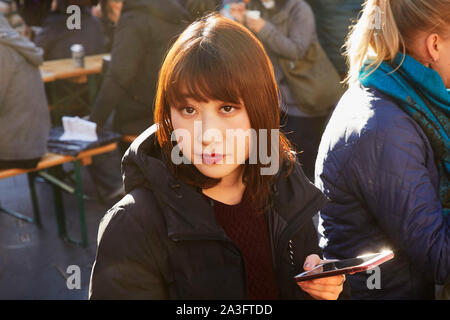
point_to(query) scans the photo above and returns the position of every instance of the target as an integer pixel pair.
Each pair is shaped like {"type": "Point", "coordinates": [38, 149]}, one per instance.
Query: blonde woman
{"type": "Point", "coordinates": [384, 157]}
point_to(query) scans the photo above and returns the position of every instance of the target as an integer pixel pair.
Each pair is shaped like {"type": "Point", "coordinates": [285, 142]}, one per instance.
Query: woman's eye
{"type": "Point", "coordinates": [228, 109]}
{"type": "Point", "coordinates": [188, 111]}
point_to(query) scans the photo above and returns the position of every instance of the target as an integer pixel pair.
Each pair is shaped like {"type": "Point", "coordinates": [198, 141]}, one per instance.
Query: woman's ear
{"type": "Point", "coordinates": [433, 48]}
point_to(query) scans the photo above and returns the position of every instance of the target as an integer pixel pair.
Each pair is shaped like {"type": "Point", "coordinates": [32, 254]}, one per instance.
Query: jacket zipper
{"type": "Point", "coordinates": [293, 228]}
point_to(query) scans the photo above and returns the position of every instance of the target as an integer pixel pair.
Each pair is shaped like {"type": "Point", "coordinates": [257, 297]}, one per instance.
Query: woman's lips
{"type": "Point", "coordinates": [212, 158]}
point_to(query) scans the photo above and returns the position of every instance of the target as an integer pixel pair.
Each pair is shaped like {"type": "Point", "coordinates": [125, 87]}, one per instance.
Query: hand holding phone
{"type": "Point", "coordinates": [331, 268]}
{"type": "Point", "coordinates": [321, 289]}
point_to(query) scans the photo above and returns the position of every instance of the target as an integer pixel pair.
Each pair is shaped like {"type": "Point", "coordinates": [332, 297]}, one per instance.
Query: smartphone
{"type": "Point", "coordinates": [347, 266]}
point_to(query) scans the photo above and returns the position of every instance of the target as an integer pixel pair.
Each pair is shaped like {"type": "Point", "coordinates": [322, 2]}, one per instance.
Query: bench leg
{"type": "Point", "coordinates": [37, 217]}
{"type": "Point", "coordinates": [16, 214]}
{"type": "Point", "coordinates": [34, 201]}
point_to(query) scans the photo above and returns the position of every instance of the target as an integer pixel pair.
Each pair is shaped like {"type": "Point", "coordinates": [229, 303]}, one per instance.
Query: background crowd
{"type": "Point", "coordinates": [378, 167]}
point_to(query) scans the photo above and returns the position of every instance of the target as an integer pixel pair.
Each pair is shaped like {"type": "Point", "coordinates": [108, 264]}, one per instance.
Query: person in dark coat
{"type": "Point", "coordinates": [109, 15]}
{"type": "Point", "coordinates": [215, 225]}
{"type": "Point", "coordinates": [142, 37]}
{"type": "Point", "coordinates": [334, 17]}
{"type": "Point", "coordinates": [56, 38]}
{"type": "Point", "coordinates": [384, 157]}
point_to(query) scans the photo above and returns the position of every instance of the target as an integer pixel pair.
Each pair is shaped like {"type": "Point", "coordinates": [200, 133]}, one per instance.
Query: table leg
{"type": "Point", "coordinates": [92, 82]}
{"type": "Point", "coordinates": [59, 208]}
{"type": "Point", "coordinates": [79, 194]}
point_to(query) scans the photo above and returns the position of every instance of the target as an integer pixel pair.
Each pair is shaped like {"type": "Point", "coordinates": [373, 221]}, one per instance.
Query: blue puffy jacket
{"type": "Point", "coordinates": [376, 165]}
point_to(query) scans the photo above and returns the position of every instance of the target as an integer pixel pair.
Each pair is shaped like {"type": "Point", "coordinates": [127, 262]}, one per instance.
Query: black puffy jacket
{"type": "Point", "coordinates": [143, 35]}
{"type": "Point", "coordinates": [162, 240]}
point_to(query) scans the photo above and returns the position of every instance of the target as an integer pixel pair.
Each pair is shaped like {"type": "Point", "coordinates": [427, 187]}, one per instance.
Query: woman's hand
{"type": "Point", "coordinates": [255, 24]}
{"type": "Point", "coordinates": [324, 288]}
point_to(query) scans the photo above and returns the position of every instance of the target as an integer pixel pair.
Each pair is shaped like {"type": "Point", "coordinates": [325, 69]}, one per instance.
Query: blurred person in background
{"type": "Point", "coordinates": [24, 115]}
{"type": "Point", "coordinates": [108, 11]}
{"type": "Point", "coordinates": [56, 39]}
{"type": "Point", "coordinates": [288, 32]}
{"type": "Point", "coordinates": [334, 18]}
{"type": "Point", "coordinates": [143, 35]}
{"type": "Point", "coordinates": [384, 159]}
{"type": "Point", "coordinates": [9, 10]}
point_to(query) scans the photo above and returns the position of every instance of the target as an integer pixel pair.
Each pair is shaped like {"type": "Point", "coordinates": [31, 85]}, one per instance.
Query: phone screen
{"type": "Point", "coordinates": [366, 261]}
{"type": "Point", "coordinates": [345, 263]}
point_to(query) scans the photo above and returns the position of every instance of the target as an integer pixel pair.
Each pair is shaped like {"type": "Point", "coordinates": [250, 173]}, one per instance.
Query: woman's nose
{"type": "Point", "coordinates": [210, 133]}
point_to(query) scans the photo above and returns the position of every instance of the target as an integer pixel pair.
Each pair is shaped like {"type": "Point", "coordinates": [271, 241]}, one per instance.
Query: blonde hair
{"type": "Point", "coordinates": [387, 27]}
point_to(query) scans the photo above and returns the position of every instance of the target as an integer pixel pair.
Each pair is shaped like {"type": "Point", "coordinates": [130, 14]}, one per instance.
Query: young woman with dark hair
{"type": "Point", "coordinates": [202, 219]}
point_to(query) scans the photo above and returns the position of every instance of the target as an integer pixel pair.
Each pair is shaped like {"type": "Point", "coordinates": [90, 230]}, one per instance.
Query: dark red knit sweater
{"type": "Point", "coordinates": [248, 230]}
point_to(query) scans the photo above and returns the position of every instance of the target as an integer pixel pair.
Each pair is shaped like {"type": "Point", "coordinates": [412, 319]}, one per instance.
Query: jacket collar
{"type": "Point", "coordinates": [192, 215]}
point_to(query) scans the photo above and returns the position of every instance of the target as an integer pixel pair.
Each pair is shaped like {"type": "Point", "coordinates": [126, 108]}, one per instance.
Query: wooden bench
{"type": "Point", "coordinates": [54, 161]}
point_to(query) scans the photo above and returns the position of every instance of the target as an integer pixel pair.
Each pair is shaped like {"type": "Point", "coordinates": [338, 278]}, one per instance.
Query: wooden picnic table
{"type": "Point", "coordinates": [63, 68]}
{"type": "Point", "coordinates": [61, 93]}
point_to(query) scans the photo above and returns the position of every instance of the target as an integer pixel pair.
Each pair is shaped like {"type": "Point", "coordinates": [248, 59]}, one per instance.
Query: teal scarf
{"type": "Point", "coordinates": [421, 93]}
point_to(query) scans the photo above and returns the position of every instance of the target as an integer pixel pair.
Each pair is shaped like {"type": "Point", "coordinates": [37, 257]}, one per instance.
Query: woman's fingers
{"type": "Point", "coordinates": [322, 287]}
{"type": "Point", "coordinates": [311, 261]}
{"type": "Point", "coordinates": [332, 281]}
{"type": "Point", "coordinates": [321, 295]}
{"type": "Point", "coordinates": [325, 288]}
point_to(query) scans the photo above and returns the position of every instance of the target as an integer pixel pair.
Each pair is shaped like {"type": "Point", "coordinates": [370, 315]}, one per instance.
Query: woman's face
{"type": "Point", "coordinates": [214, 135]}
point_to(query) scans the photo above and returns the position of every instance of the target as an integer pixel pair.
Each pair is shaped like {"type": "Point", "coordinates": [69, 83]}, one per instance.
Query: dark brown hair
{"type": "Point", "coordinates": [218, 59]}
